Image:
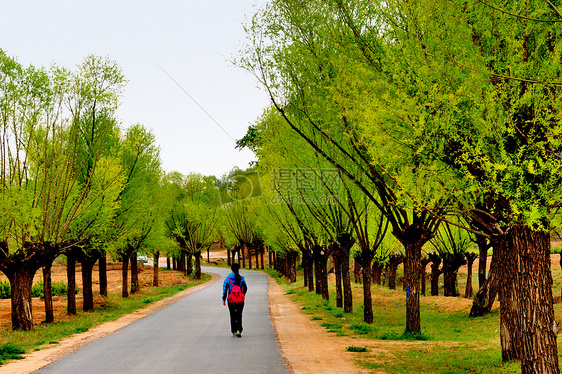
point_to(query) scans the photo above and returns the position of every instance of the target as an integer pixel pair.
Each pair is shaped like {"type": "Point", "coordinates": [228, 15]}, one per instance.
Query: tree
{"type": "Point", "coordinates": [137, 221]}
{"type": "Point", "coordinates": [95, 91]}
{"type": "Point", "coordinates": [192, 214]}
{"type": "Point", "coordinates": [42, 194]}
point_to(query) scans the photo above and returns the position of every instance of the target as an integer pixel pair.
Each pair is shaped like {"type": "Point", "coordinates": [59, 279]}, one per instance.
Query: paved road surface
{"type": "Point", "coordinates": [190, 336]}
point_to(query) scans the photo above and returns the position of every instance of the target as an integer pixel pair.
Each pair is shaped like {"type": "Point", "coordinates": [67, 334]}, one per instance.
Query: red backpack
{"type": "Point", "coordinates": [235, 296]}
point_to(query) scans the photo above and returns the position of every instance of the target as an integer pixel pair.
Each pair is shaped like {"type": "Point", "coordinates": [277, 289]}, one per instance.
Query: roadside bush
{"type": "Point", "coordinates": [58, 288]}
{"type": "Point", "coordinates": [5, 290]}
{"type": "Point", "coordinates": [10, 352]}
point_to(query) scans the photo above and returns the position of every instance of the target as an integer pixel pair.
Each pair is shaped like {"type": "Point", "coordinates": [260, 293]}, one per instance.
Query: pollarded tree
{"type": "Point", "coordinates": [370, 228]}
{"type": "Point", "coordinates": [42, 195]}
{"type": "Point", "coordinates": [137, 219]}
{"type": "Point", "coordinates": [95, 91]}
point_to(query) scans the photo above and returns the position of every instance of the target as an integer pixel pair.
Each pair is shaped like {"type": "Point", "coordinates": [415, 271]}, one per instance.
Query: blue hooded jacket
{"type": "Point", "coordinates": [226, 285]}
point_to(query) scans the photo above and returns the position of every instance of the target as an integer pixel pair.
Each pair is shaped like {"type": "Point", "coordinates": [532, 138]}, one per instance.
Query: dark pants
{"type": "Point", "coordinates": [235, 316]}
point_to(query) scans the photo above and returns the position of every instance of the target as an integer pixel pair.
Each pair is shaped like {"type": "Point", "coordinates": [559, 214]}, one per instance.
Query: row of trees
{"type": "Point", "coordinates": [431, 112]}
{"type": "Point", "coordinates": [73, 182]}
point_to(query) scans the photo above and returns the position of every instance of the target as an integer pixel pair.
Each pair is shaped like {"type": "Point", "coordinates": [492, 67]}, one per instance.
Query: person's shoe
{"type": "Point", "coordinates": [238, 334]}
{"type": "Point", "coordinates": [235, 333]}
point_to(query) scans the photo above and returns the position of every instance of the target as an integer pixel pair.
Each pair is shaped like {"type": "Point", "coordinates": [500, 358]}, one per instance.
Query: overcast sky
{"type": "Point", "coordinates": [193, 41]}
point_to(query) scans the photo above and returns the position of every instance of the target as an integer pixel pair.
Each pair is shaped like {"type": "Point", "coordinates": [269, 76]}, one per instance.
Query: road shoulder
{"type": "Point", "coordinates": [307, 347]}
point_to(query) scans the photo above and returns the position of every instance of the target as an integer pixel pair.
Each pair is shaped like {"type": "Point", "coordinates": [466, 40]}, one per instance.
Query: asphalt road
{"type": "Point", "coordinates": [190, 336]}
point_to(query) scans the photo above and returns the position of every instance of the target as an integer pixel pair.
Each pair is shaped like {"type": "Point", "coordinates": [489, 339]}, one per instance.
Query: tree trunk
{"type": "Point", "coordinates": [293, 256]}
{"type": "Point", "coordinates": [392, 276]}
{"type": "Point", "coordinates": [424, 262]}
{"type": "Point", "coordinates": [394, 261]}
{"type": "Point", "coordinates": [134, 273]}
{"type": "Point", "coordinates": [470, 257]}
{"type": "Point", "coordinates": [346, 277]}
{"type": "Point", "coordinates": [377, 272]}
{"type": "Point", "coordinates": [304, 269]}
{"type": "Point", "coordinates": [412, 266]}
{"type": "Point", "coordinates": [20, 282]}
{"type": "Point", "coordinates": [435, 273]}
{"type": "Point", "coordinates": [367, 297]}
{"type": "Point", "coordinates": [188, 263]}
{"type": "Point", "coordinates": [71, 278]}
{"type": "Point", "coordinates": [317, 271]}
{"type": "Point", "coordinates": [197, 256]}
{"type": "Point", "coordinates": [87, 287]}
{"type": "Point", "coordinates": [450, 283]}
{"type": "Point", "coordinates": [482, 259]}
{"type": "Point", "coordinates": [103, 273]}
{"type": "Point", "coordinates": [451, 264]}
{"type": "Point", "coordinates": [48, 293]}
{"type": "Point", "coordinates": [323, 273]}
{"type": "Point", "coordinates": [155, 259]}
{"type": "Point", "coordinates": [261, 258]}
{"type": "Point", "coordinates": [337, 271]}
{"type": "Point", "coordinates": [311, 273]}
{"type": "Point", "coordinates": [174, 263]}
{"type": "Point", "coordinates": [357, 270]}
{"type": "Point", "coordinates": [125, 271]}
{"type": "Point", "coordinates": [228, 257]}
{"type": "Point", "coordinates": [484, 298]}
{"type": "Point", "coordinates": [308, 266]}
{"type": "Point", "coordinates": [539, 353]}
{"type": "Point", "coordinates": [510, 333]}
{"type": "Point", "coordinates": [181, 264]}
{"type": "Point", "coordinates": [168, 262]}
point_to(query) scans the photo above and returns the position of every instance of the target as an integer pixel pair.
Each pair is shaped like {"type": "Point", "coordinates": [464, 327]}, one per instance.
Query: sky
{"type": "Point", "coordinates": [176, 56]}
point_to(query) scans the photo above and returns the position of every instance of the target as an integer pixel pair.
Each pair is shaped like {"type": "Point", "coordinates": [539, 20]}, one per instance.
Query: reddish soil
{"type": "Point", "coordinates": [166, 278]}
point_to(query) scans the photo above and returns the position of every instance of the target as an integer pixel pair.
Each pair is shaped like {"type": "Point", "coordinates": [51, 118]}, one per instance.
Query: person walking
{"type": "Point", "coordinates": [234, 289]}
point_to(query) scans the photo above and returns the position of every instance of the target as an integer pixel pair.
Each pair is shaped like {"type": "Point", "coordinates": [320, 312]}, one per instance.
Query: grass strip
{"type": "Point", "coordinates": [450, 341]}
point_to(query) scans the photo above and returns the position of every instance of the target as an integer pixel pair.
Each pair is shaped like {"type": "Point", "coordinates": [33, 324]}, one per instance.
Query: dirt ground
{"type": "Point", "coordinates": [306, 346]}
{"type": "Point", "coordinates": [59, 302]}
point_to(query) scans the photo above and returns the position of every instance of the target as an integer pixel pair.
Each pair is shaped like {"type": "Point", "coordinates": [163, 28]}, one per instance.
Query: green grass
{"type": "Point", "coordinates": [10, 352]}
{"type": "Point", "coordinates": [450, 341]}
{"type": "Point", "coordinates": [45, 335]}
{"type": "Point", "coordinates": [353, 348]}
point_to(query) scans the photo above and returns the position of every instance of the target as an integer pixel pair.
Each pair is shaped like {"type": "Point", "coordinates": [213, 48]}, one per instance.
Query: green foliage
{"type": "Point", "coordinates": [10, 352]}
{"type": "Point", "coordinates": [353, 348]}
{"type": "Point", "coordinates": [5, 290]}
